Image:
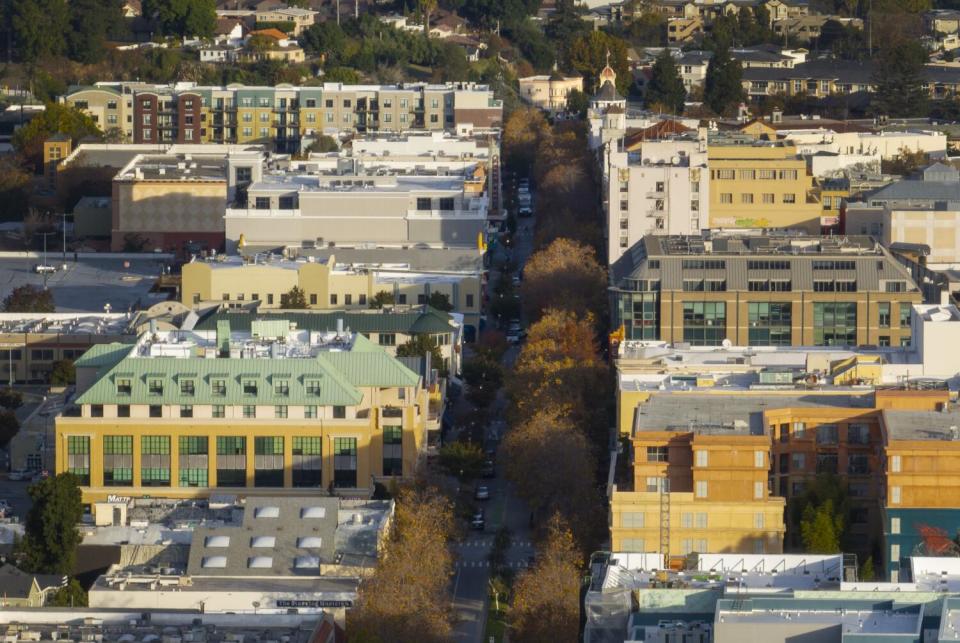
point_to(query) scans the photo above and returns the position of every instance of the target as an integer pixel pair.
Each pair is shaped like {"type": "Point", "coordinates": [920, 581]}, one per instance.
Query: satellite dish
{"type": "Point", "coordinates": [726, 343]}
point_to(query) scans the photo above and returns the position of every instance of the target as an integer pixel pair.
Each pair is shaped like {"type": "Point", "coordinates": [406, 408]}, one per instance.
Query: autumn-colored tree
{"type": "Point", "coordinates": [551, 587]}
{"type": "Point", "coordinates": [54, 119]}
{"type": "Point", "coordinates": [551, 463]}
{"type": "Point", "coordinates": [522, 134]}
{"type": "Point", "coordinates": [564, 275]}
{"type": "Point", "coordinates": [406, 599]}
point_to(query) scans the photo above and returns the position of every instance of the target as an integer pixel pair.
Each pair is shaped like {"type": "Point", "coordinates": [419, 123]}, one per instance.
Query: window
{"type": "Point", "coordinates": [339, 412]}
{"type": "Point", "coordinates": [268, 461]}
{"type": "Point", "coordinates": [896, 462]}
{"type": "Point", "coordinates": [307, 461]}
{"type": "Point", "coordinates": [703, 264]}
{"type": "Point", "coordinates": [345, 462]}
{"type": "Point", "coordinates": [758, 490]}
{"type": "Point", "coordinates": [704, 323]}
{"type": "Point", "coordinates": [746, 198]}
{"type": "Point", "coordinates": [654, 483]}
{"type": "Point", "coordinates": [123, 410]}
{"type": "Point", "coordinates": [348, 300]}
{"type": "Point", "coordinates": [798, 462]}
{"type": "Point", "coordinates": [313, 299]}
{"type": "Point", "coordinates": [193, 461]}
{"type": "Point", "coordinates": [858, 464]}
{"type": "Point", "coordinates": [827, 434]}
{"type": "Point", "coordinates": [186, 411]}
{"type": "Point", "coordinates": [155, 387]}
{"type": "Point", "coordinates": [401, 299]}
{"type": "Point", "coordinates": [147, 134]}
{"type": "Point", "coordinates": [280, 411]}
{"type": "Point", "coordinates": [632, 519]}
{"type": "Point", "coordinates": [249, 411]}
{"type": "Point", "coordinates": [392, 451]}
{"type": "Point", "coordinates": [789, 198]}
{"type": "Point", "coordinates": [249, 387]}
{"type": "Point", "coordinates": [726, 198]}
{"type": "Point", "coordinates": [905, 309]}
{"type": "Point", "coordinates": [218, 388]}
{"type": "Point", "coordinates": [894, 526]}
{"type": "Point", "coordinates": [155, 460]}
{"type": "Point", "coordinates": [758, 520]}
{"type": "Point", "coordinates": [834, 323]}
{"type": "Point", "coordinates": [123, 387]}
{"type": "Point", "coordinates": [362, 299]}
{"type": "Point", "coordinates": [768, 197]}
{"type": "Point", "coordinates": [387, 339]}
{"type": "Point", "coordinates": [310, 412]}
{"type": "Point", "coordinates": [883, 314]}
{"type": "Point", "coordinates": [78, 457]}
{"type": "Point", "coordinates": [231, 461]}
{"type": "Point", "coordinates": [96, 410]}
{"type": "Point", "coordinates": [424, 204]}
{"type": "Point", "coordinates": [281, 388]}
{"type": "Point", "coordinates": [827, 463]}
{"type": "Point", "coordinates": [702, 457]}
{"type": "Point", "coordinates": [771, 264]}
{"type": "Point", "coordinates": [726, 175]}
{"type": "Point", "coordinates": [895, 286]}
{"type": "Point", "coordinates": [156, 411]}
{"type": "Point", "coordinates": [447, 204]}
{"type": "Point", "coordinates": [799, 430]}
{"type": "Point", "coordinates": [770, 323]}
{"type": "Point", "coordinates": [657, 454]}
{"type": "Point", "coordinates": [895, 495]}
{"type": "Point", "coordinates": [313, 388]}
{"type": "Point", "coordinates": [759, 461]}
{"type": "Point", "coordinates": [858, 434]}
{"type": "Point", "coordinates": [701, 489]}
{"type": "Point", "coordinates": [748, 175]}
{"type": "Point", "coordinates": [186, 388]}
{"type": "Point", "coordinates": [38, 354]}
{"type": "Point", "coordinates": [895, 553]}
{"type": "Point", "coordinates": [118, 460]}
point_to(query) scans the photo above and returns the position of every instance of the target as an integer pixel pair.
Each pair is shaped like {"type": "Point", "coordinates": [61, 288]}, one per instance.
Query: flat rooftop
{"type": "Point", "coordinates": [65, 323]}
{"type": "Point", "coordinates": [416, 258]}
{"type": "Point", "coordinates": [370, 181]}
{"type": "Point", "coordinates": [175, 167]}
{"type": "Point", "coordinates": [734, 415]}
{"type": "Point", "coordinates": [761, 244]}
{"type": "Point", "coordinates": [923, 425]}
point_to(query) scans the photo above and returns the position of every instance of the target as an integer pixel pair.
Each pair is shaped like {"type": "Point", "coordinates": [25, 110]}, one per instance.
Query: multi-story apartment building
{"type": "Point", "coordinates": [760, 185]}
{"type": "Point", "coordinates": [277, 410]}
{"type": "Point", "coordinates": [329, 283]}
{"type": "Point", "coordinates": [300, 18]}
{"type": "Point", "coordinates": [757, 290]}
{"type": "Point", "coordinates": [281, 116]}
{"type": "Point", "coordinates": [663, 188]}
{"type": "Point", "coordinates": [700, 474]}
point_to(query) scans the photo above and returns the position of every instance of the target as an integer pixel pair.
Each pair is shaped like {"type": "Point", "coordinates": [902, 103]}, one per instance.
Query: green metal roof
{"type": "Point", "coordinates": [100, 355]}
{"type": "Point", "coordinates": [337, 375]}
{"type": "Point", "coordinates": [428, 320]}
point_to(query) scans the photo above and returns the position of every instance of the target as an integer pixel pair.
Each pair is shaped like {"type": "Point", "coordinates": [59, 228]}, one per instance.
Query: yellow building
{"type": "Point", "coordinates": [549, 92]}
{"type": "Point", "coordinates": [275, 410]}
{"type": "Point", "coordinates": [700, 469]}
{"type": "Point", "coordinates": [761, 185]}
{"type": "Point", "coordinates": [326, 285]}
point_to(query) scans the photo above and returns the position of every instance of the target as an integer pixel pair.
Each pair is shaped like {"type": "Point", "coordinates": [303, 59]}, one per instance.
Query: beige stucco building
{"type": "Point", "coordinates": [549, 92]}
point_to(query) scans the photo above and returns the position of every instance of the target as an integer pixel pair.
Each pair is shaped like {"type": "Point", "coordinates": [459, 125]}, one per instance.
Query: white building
{"type": "Point", "coordinates": [662, 189]}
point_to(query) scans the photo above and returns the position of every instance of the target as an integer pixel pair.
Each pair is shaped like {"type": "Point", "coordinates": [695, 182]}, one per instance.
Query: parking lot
{"type": "Point", "coordinates": [88, 284]}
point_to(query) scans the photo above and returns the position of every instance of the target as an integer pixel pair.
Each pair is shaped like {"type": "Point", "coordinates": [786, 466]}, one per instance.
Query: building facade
{"type": "Point", "coordinates": [549, 92]}
{"type": "Point", "coordinates": [181, 414]}
{"type": "Point", "coordinates": [763, 291]}
{"type": "Point", "coordinates": [280, 116]}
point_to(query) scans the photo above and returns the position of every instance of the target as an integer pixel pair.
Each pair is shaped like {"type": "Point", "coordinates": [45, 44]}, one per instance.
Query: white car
{"type": "Point", "coordinates": [18, 474]}
{"type": "Point", "coordinates": [42, 268]}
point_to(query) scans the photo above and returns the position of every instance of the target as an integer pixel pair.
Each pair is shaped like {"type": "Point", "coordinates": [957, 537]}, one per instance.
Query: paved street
{"type": "Point", "coordinates": [504, 508]}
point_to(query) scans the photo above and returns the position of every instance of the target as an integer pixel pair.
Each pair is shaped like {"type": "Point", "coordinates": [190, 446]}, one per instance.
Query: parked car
{"type": "Point", "coordinates": [482, 493]}
{"type": "Point", "coordinates": [18, 474]}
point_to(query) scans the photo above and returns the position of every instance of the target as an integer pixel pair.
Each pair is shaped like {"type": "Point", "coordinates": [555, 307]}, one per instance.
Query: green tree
{"type": "Point", "coordinates": [73, 595]}
{"type": "Point", "coordinates": [91, 21]}
{"type": "Point", "coordinates": [63, 373]}
{"type": "Point", "coordinates": [295, 299]}
{"type": "Point", "coordinates": [14, 188]}
{"type": "Point", "coordinates": [483, 377]}
{"type": "Point", "coordinates": [418, 346]}
{"type": "Point", "coordinates": [51, 536]}
{"type": "Point", "coordinates": [343, 75]}
{"type": "Point", "coordinates": [38, 28]}
{"type": "Point", "coordinates": [666, 86]}
{"type": "Point", "coordinates": [821, 528]}
{"type": "Point", "coordinates": [722, 88]}
{"type": "Point", "coordinates": [867, 571]}
{"type": "Point", "coordinates": [9, 427]}
{"type": "Point", "coordinates": [899, 80]}
{"type": "Point", "coordinates": [588, 55]}
{"type": "Point", "coordinates": [325, 39]}
{"type": "Point", "coordinates": [381, 299]}
{"type": "Point", "coordinates": [577, 102]}
{"type": "Point", "coordinates": [323, 144]}
{"type": "Point", "coordinates": [462, 459]}
{"type": "Point", "coordinates": [183, 17]}
{"type": "Point", "coordinates": [29, 299]}
{"type": "Point", "coordinates": [451, 63]}
{"type": "Point", "coordinates": [440, 301]}
{"type": "Point", "coordinates": [54, 119]}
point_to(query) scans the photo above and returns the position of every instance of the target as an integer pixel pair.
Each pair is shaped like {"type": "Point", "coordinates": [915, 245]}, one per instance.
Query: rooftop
{"type": "Point", "coordinates": [175, 167]}
{"type": "Point", "coordinates": [65, 323]}
{"type": "Point", "coordinates": [852, 615]}
{"type": "Point", "coordinates": [423, 320]}
{"type": "Point", "coordinates": [923, 425]}
{"type": "Point", "coordinates": [418, 258]}
{"type": "Point", "coordinates": [756, 244]}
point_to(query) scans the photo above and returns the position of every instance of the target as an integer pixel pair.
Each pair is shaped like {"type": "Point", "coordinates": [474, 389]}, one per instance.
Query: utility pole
{"type": "Point", "coordinates": [338, 13]}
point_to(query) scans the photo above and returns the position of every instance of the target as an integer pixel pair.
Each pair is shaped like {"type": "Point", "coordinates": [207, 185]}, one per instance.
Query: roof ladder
{"type": "Point", "coordinates": [665, 521]}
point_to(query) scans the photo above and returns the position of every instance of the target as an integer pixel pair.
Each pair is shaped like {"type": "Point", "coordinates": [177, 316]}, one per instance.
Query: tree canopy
{"type": "Point", "coordinates": [899, 79]}
{"type": "Point", "coordinates": [183, 18]}
{"type": "Point", "coordinates": [56, 118]}
{"type": "Point", "coordinates": [29, 299]}
{"type": "Point", "coordinates": [51, 536]}
{"type": "Point", "coordinates": [721, 88]}
{"type": "Point", "coordinates": [564, 275]}
{"type": "Point", "coordinates": [665, 88]}
{"type": "Point", "coordinates": [295, 299]}
{"type": "Point", "coordinates": [418, 346]}
{"type": "Point", "coordinates": [588, 56]}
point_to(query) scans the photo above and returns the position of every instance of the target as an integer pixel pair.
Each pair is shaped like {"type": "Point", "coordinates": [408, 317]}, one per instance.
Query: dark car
{"type": "Point", "coordinates": [488, 470]}
{"type": "Point", "coordinates": [479, 520]}
{"type": "Point", "coordinates": [482, 493]}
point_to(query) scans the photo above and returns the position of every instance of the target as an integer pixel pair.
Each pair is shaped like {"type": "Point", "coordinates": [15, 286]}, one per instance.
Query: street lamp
{"type": "Point", "coordinates": [45, 273]}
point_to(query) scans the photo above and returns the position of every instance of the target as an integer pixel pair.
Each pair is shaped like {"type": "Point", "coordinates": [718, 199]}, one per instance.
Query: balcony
{"type": "Point", "coordinates": [241, 213]}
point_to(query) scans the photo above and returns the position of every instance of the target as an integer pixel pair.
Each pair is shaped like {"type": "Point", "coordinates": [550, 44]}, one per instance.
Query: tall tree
{"type": "Point", "coordinates": [566, 276]}
{"type": "Point", "coordinates": [589, 55]}
{"type": "Point", "coordinates": [406, 599]}
{"type": "Point", "coordinates": [14, 188]}
{"type": "Point", "coordinates": [551, 587]}
{"type": "Point", "coordinates": [29, 299]}
{"type": "Point", "coordinates": [899, 79]}
{"type": "Point", "coordinates": [51, 536]}
{"type": "Point", "coordinates": [522, 133]}
{"type": "Point", "coordinates": [666, 86]}
{"type": "Point", "coordinates": [183, 17]}
{"type": "Point", "coordinates": [294, 299]}
{"type": "Point", "coordinates": [91, 21]}
{"type": "Point", "coordinates": [420, 345]}
{"type": "Point", "coordinates": [39, 27]}
{"type": "Point", "coordinates": [722, 87]}
{"type": "Point", "coordinates": [821, 528]}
